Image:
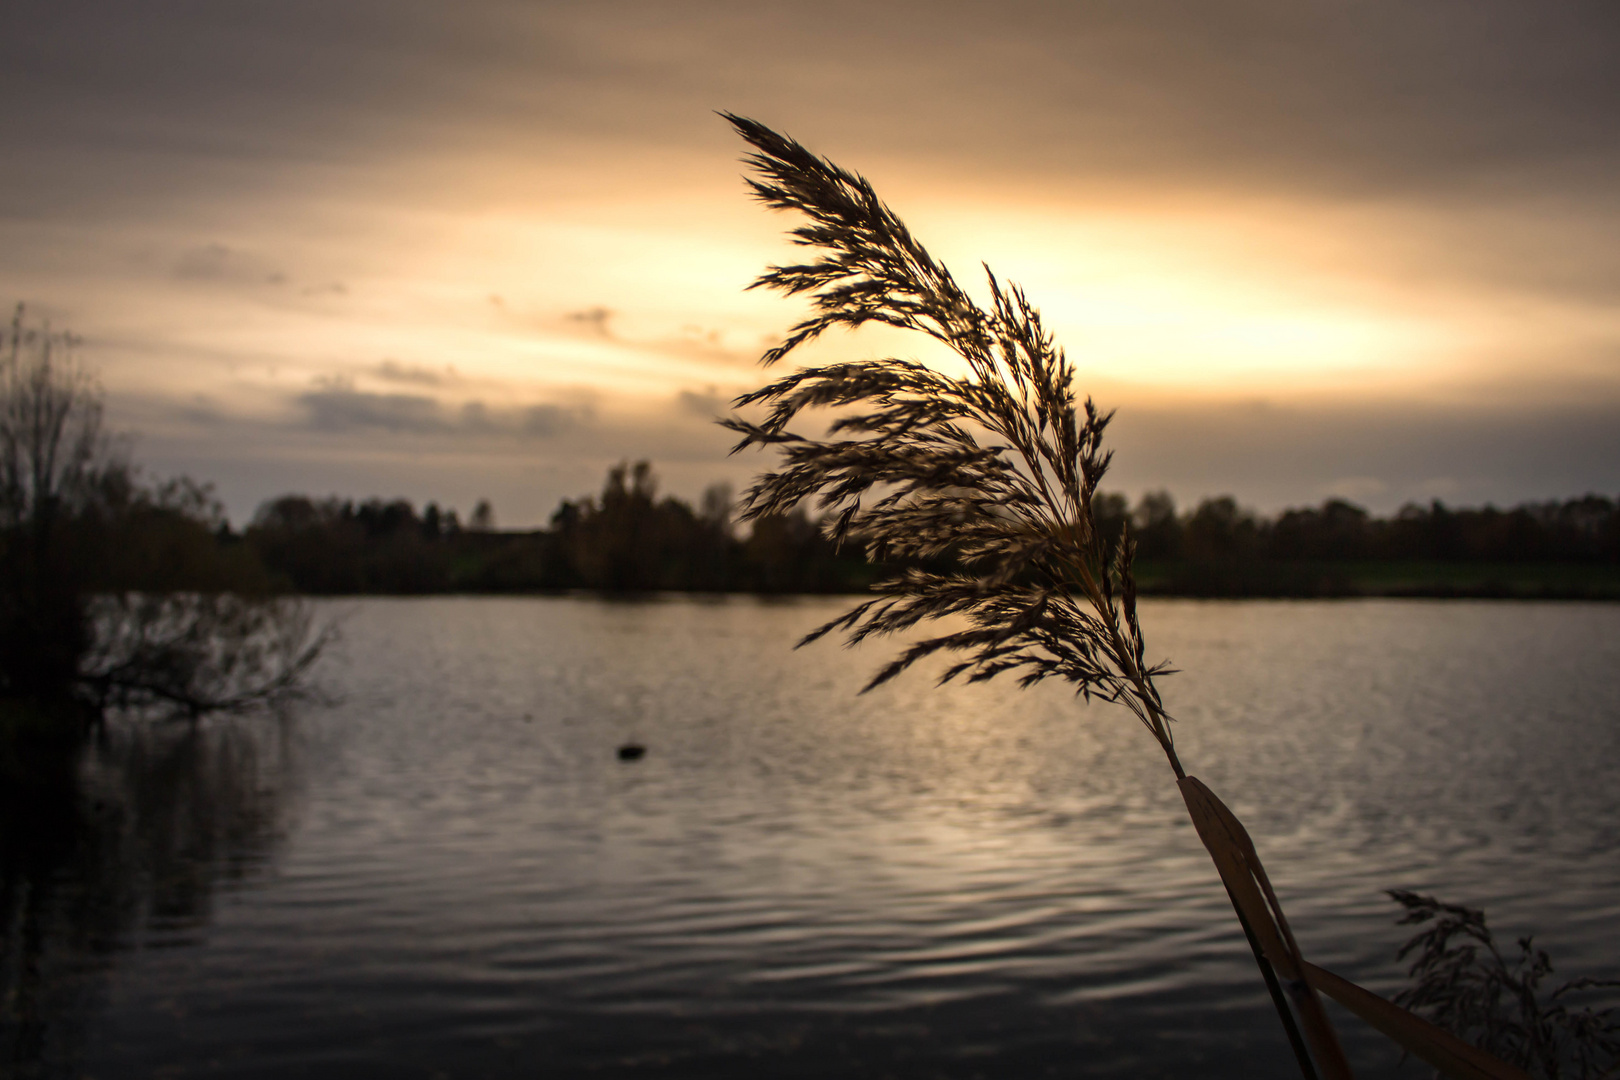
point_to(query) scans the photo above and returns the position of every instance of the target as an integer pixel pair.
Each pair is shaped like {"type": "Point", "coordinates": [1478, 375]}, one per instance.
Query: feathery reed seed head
{"type": "Point", "coordinates": [997, 468]}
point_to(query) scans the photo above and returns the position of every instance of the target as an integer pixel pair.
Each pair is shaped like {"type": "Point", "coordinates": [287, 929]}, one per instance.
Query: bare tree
{"type": "Point", "coordinates": [67, 495]}
{"type": "Point", "coordinates": [52, 449]}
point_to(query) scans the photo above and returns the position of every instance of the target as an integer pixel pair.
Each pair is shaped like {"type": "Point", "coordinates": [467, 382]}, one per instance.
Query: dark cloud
{"type": "Point", "coordinates": [475, 418]}
{"type": "Point", "coordinates": [706, 405]}
{"type": "Point", "coordinates": [396, 372]}
{"type": "Point", "coordinates": [133, 110]}
{"type": "Point", "coordinates": [1372, 96]}
{"type": "Point", "coordinates": [337, 407]}
{"type": "Point", "coordinates": [545, 421]}
{"type": "Point", "coordinates": [201, 410]}
{"type": "Point", "coordinates": [221, 264]}
{"type": "Point", "coordinates": [1381, 455]}
{"type": "Point", "coordinates": [1268, 456]}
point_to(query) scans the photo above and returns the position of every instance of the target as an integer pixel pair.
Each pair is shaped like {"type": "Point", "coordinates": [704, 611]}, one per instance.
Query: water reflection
{"type": "Point", "coordinates": [124, 845]}
{"type": "Point", "coordinates": [797, 880]}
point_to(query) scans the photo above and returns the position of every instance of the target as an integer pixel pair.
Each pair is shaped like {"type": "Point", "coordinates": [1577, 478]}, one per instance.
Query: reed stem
{"type": "Point", "coordinates": [1301, 1054]}
{"type": "Point", "coordinates": [903, 470]}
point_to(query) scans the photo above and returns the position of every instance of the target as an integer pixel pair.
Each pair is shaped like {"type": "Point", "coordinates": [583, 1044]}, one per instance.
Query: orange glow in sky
{"type": "Point", "coordinates": [490, 255]}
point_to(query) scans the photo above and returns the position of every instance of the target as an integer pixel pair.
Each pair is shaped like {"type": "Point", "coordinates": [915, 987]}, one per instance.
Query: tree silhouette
{"type": "Point", "coordinates": [113, 591]}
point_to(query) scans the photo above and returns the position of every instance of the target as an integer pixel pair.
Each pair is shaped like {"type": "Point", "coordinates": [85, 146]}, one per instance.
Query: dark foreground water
{"type": "Point", "coordinates": [446, 871]}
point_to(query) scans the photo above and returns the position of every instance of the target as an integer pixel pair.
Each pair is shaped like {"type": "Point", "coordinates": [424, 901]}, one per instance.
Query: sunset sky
{"type": "Point", "coordinates": [485, 249]}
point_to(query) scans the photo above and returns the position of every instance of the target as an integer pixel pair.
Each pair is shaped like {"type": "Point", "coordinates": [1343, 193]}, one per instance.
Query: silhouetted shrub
{"type": "Point", "coordinates": [1463, 983]}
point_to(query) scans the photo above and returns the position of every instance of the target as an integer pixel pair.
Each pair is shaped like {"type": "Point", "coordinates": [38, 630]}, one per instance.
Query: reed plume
{"type": "Point", "coordinates": [996, 468]}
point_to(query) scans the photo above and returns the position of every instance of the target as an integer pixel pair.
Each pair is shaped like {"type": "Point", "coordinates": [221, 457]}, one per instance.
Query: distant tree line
{"type": "Point", "coordinates": [630, 539]}
{"type": "Point", "coordinates": [1578, 530]}
{"type": "Point", "coordinates": [627, 539]}
{"type": "Point", "coordinates": [1221, 549]}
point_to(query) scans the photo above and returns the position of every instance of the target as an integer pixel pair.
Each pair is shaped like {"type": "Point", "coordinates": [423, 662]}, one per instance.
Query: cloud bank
{"type": "Point", "coordinates": [1307, 249]}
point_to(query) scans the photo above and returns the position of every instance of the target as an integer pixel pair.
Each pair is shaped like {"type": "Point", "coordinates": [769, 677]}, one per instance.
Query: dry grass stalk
{"type": "Point", "coordinates": [997, 468]}
{"type": "Point", "coordinates": [1463, 983]}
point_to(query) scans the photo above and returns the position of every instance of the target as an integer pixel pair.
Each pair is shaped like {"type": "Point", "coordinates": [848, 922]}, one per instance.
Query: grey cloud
{"type": "Point", "coordinates": [542, 421]}
{"type": "Point", "coordinates": [475, 417]}
{"type": "Point", "coordinates": [1417, 457]}
{"type": "Point", "coordinates": [545, 421]}
{"type": "Point", "coordinates": [707, 405]}
{"type": "Point", "coordinates": [335, 405]}
{"type": "Point", "coordinates": [394, 371]}
{"type": "Point", "coordinates": [221, 264]}
{"type": "Point", "coordinates": [201, 410]}
{"type": "Point", "coordinates": [1371, 95]}
{"type": "Point", "coordinates": [343, 408]}
{"type": "Point", "coordinates": [1380, 455]}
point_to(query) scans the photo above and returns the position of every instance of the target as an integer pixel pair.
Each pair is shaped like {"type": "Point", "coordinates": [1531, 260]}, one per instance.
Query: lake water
{"type": "Point", "coordinates": [445, 871]}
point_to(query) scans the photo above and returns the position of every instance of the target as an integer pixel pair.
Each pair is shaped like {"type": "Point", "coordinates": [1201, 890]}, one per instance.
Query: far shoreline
{"type": "Point", "coordinates": [1159, 579]}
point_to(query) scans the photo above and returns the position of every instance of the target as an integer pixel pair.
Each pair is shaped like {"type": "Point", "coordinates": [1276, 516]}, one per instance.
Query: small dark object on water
{"type": "Point", "coordinates": [631, 752]}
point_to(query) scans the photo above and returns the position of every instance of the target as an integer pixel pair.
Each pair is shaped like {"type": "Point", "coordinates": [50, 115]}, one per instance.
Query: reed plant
{"type": "Point", "coordinates": [1462, 982]}
{"type": "Point", "coordinates": [997, 467]}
